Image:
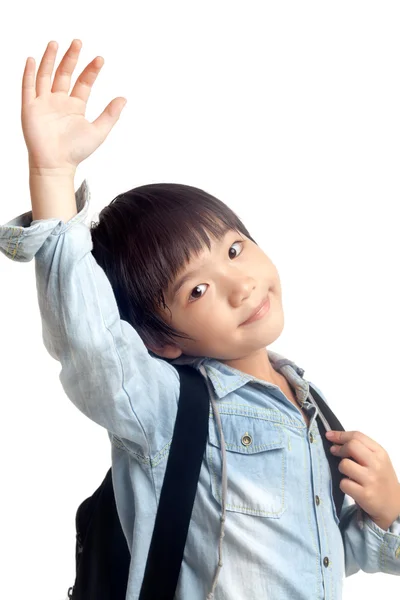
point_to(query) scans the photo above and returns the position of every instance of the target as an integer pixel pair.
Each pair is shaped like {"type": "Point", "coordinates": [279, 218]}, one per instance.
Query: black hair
{"type": "Point", "coordinates": [143, 239]}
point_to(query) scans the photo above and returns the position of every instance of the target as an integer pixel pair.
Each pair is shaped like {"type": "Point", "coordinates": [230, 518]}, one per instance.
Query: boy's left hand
{"type": "Point", "coordinates": [372, 481]}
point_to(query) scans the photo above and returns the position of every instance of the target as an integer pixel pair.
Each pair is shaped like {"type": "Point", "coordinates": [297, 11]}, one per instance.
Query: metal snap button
{"type": "Point", "coordinates": [317, 500]}
{"type": "Point", "coordinates": [311, 438]}
{"type": "Point", "coordinates": [246, 439]}
{"type": "Point", "coordinates": [326, 561]}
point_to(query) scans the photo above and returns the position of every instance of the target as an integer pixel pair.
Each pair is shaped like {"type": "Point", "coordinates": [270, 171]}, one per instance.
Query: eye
{"type": "Point", "coordinates": [196, 288]}
{"type": "Point", "coordinates": [191, 299]}
{"type": "Point", "coordinates": [238, 242]}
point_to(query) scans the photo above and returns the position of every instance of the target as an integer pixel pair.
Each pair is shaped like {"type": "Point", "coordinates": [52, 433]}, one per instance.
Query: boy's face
{"type": "Point", "coordinates": [228, 283]}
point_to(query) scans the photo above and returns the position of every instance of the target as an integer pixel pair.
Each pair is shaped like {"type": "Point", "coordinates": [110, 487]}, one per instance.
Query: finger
{"type": "Point", "coordinates": [43, 78]}
{"type": "Point", "coordinates": [354, 471]}
{"type": "Point", "coordinates": [352, 489]}
{"type": "Point", "coordinates": [110, 115]}
{"type": "Point", "coordinates": [354, 449]}
{"type": "Point", "coordinates": [62, 77]}
{"type": "Point", "coordinates": [85, 81]}
{"type": "Point", "coordinates": [28, 82]}
{"type": "Point", "coordinates": [341, 437]}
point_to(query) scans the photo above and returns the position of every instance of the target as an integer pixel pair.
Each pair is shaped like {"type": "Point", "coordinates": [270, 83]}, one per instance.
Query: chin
{"type": "Point", "coordinates": [262, 337]}
{"type": "Point", "coordinates": [273, 330]}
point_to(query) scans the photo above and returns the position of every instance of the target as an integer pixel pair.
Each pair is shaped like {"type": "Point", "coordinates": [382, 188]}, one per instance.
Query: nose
{"type": "Point", "coordinates": [241, 287]}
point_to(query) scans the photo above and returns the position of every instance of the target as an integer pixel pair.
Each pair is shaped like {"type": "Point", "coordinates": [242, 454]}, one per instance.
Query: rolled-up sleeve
{"type": "Point", "coordinates": [368, 547]}
{"type": "Point", "coordinates": [106, 370]}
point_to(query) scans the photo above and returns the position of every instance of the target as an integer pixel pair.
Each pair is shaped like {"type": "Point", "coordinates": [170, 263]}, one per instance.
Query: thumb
{"type": "Point", "coordinates": [110, 115]}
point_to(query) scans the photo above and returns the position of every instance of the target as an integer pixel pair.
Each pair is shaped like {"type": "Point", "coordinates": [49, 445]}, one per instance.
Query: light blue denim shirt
{"type": "Point", "coordinates": [277, 540]}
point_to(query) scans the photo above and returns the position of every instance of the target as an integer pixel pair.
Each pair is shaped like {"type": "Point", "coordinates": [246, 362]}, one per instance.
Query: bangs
{"type": "Point", "coordinates": [175, 238]}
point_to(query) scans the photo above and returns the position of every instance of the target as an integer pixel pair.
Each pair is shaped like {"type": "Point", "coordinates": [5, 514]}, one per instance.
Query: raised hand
{"type": "Point", "coordinates": [56, 133]}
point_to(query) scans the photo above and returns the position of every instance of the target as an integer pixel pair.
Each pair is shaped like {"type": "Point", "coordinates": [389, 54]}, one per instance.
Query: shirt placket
{"type": "Point", "coordinates": [314, 440]}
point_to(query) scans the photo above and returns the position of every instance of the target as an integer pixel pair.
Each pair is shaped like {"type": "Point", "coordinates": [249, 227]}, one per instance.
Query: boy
{"type": "Point", "coordinates": [170, 274]}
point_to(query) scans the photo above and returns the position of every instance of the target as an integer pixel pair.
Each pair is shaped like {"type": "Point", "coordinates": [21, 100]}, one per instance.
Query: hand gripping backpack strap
{"type": "Point", "coordinates": [179, 488]}
{"type": "Point", "coordinates": [334, 423]}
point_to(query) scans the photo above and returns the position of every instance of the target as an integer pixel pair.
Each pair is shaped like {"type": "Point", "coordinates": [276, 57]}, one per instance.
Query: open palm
{"type": "Point", "coordinates": [56, 133]}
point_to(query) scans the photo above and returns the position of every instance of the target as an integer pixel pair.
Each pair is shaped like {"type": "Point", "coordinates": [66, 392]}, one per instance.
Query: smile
{"type": "Point", "coordinates": [263, 310]}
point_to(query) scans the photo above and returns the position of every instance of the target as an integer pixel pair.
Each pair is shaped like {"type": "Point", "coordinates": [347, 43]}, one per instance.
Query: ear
{"type": "Point", "coordinates": [168, 351]}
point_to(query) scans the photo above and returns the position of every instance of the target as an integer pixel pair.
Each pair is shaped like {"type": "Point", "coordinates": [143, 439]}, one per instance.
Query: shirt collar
{"type": "Point", "coordinates": [226, 379]}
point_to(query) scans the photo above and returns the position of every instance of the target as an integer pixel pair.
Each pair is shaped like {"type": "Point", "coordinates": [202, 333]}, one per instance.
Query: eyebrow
{"type": "Point", "coordinates": [181, 281]}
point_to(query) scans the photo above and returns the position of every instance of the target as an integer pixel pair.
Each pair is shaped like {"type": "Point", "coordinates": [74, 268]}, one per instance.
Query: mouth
{"type": "Point", "coordinates": [261, 310]}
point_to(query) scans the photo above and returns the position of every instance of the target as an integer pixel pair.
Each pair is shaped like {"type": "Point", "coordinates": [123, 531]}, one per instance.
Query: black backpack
{"type": "Point", "coordinates": [102, 554]}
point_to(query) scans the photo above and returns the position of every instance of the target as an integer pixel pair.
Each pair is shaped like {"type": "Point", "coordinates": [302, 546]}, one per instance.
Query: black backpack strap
{"type": "Point", "coordinates": [179, 488]}
{"type": "Point", "coordinates": [335, 424]}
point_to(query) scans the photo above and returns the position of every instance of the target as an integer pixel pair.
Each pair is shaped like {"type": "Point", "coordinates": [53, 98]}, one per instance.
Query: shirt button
{"type": "Point", "coordinates": [317, 500]}
{"type": "Point", "coordinates": [246, 439]}
{"type": "Point", "coordinates": [311, 438]}
{"type": "Point", "coordinates": [326, 561]}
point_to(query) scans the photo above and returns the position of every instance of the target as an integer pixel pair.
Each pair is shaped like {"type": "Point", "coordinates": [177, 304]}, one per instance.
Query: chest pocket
{"type": "Point", "coordinates": [256, 457]}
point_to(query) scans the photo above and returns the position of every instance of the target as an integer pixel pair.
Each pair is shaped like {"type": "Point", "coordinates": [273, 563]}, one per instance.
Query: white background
{"type": "Point", "coordinates": [286, 111]}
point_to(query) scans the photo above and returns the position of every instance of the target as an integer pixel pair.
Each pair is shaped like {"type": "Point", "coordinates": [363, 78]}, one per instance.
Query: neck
{"type": "Point", "coordinates": [258, 365]}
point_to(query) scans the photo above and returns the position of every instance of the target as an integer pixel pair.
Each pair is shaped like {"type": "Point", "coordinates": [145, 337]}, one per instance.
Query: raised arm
{"type": "Point", "coordinates": [107, 371]}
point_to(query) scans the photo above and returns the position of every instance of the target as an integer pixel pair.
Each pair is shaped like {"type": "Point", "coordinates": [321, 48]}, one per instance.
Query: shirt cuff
{"type": "Point", "coordinates": [390, 544]}
{"type": "Point", "coordinates": [21, 238]}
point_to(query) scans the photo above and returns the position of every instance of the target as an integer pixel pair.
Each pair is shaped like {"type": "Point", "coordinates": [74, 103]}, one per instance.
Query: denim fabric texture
{"type": "Point", "coordinates": [281, 534]}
